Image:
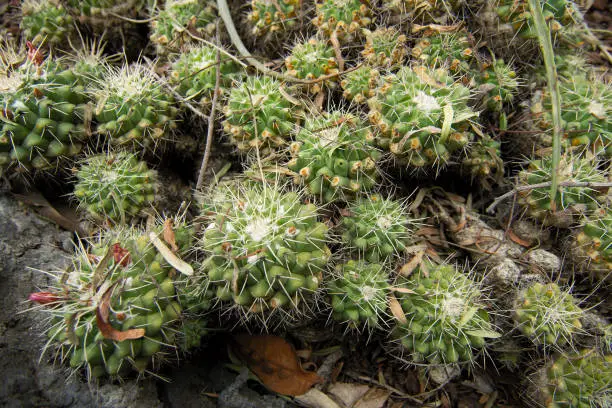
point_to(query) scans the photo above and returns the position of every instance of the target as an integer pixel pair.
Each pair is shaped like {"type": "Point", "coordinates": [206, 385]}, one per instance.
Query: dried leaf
{"type": "Point", "coordinates": [108, 331]}
{"type": "Point", "coordinates": [517, 240]}
{"type": "Point", "coordinates": [169, 236]}
{"type": "Point", "coordinates": [99, 275]}
{"type": "Point", "coordinates": [374, 398]}
{"type": "Point", "coordinates": [67, 220]}
{"type": "Point", "coordinates": [169, 256]}
{"type": "Point", "coordinates": [404, 290]}
{"type": "Point", "coordinates": [348, 393]}
{"type": "Point", "coordinates": [276, 364]}
{"type": "Point", "coordinates": [488, 334]}
{"type": "Point", "coordinates": [436, 28]}
{"type": "Point", "coordinates": [316, 399]}
{"type": "Point", "coordinates": [121, 255]}
{"type": "Point", "coordinates": [397, 310]}
{"type": "Point", "coordinates": [411, 265]}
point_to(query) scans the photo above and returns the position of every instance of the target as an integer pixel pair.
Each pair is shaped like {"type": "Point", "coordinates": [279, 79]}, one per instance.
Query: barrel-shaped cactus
{"type": "Point", "coordinates": [359, 85]}
{"type": "Point", "coordinates": [266, 251]}
{"type": "Point", "coordinates": [591, 248]}
{"type": "Point", "coordinates": [547, 314]}
{"type": "Point", "coordinates": [46, 22]}
{"type": "Point", "coordinates": [377, 228]}
{"type": "Point", "coordinates": [445, 316]}
{"type": "Point", "coordinates": [312, 60]}
{"type": "Point", "coordinates": [334, 157]}
{"type": "Point", "coordinates": [342, 18]}
{"type": "Point", "coordinates": [384, 47]}
{"type": "Point", "coordinates": [422, 115]}
{"type": "Point", "coordinates": [450, 50]}
{"type": "Point", "coordinates": [273, 16]}
{"type": "Point", "coordinates": [358, 294]}
{"type": "Point", "coordinates": [114, 186]}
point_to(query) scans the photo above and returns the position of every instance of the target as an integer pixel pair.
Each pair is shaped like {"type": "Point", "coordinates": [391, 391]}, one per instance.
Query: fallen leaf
{"type": "Point", "coordinates": [68, 220]}
{"type": "Point", "coordinates": [121, 255]}
{"type": "Point", "coordinates": [397, 310]}
{"type": "Point", "coordinates": [172, 259]}
{"type": "Point", "coordinates": [169, 235]}
{"type": "Point", "coordinates": [99, 273]}
{"type": "Point", "coordinates": [517, 240]}
{"type": "Point", "coordinates": [276, 364]}
{"type": "Point", "coordinates": [107, 330]}
{"type": "Point", "coordinates": [348, 393]}
{"type": "Point", "coordinates": [374, 398]}
{"type": "Point", "coordinates": [316, 399]}
{"type": "Point", "coordinates": [404, 290]}
{"type": "Point", "coordinates": [408, 267]}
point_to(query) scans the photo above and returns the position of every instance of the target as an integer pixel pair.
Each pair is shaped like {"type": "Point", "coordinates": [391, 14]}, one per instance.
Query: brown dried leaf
{"type": "Point", "coordinates": [276, 364]}
{"type": "Point", "coordinates": [408, 267]}
{"type": "Point", "coordinates": [66, 219]}
{"type": "Point", "coordinates": [374, 398]}
{"type": "Point", "coordinates": [108, 331]}
{"type": "Point", "coordinates": [518, 240]}
{"type": "Point", "coordinates": [176, 262]}
{"type": "Point", "coordinates": [404, 290]}
{"type": "Point", "coordinates": [397, 310]}
{"type": "Point", "coordinates": [436, 28]}
{"type": "Point", "coordinates": [169, 235]}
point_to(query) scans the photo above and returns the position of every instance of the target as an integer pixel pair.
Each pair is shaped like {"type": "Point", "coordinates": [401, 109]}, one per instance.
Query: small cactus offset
{"type": "Point", "coordinates": [273, 16]}
{"type": "Point", "coordinates": [359, 85]}
{"type": "Point", "coordinates": [133, 109]}
{"type": "Point", "coordinates": [445, 317]}
{"type": "Point", "coordinates": [547, 315]}
{"type": "Point", "coordinates": [46, 23]}
{"type": "Point", "coordinates": [334, 157]}
{"type": "Point", "coordinates": [359, 295]}
{"type": "Point", "coordinates": [483, 162]}
{"type": "Point", "coordinates": [258, 116]}
{"type": "Point", "coordinates": [422, 115]}
{"type": "Point", "coordinates": [497, 84]}
{"type": "Point", "coordinates": [450, 50]}
{"type": "Point", "coordinates": [267, 251]}
{"type": "Point", "coordinates": [342, 18]}
{"type": "Point", "coordinates": [561, 211]}
{"type": "Point", "coordinates": [579, 379]}
{"type": "Point", "coordinates": [312, 60]}
{"type": "Point", "coordinates": [114, 187]}
{"type": "Point", "coordinates": [384, 47]}
{"type": "Point", "coordinates": [592, 247]}
{"type": "Point", "coordinates": [377, 228]}
{"type": "Point", "coordinates": [194, 74]}
{"type": "Point", "coordinates": [173, 25]}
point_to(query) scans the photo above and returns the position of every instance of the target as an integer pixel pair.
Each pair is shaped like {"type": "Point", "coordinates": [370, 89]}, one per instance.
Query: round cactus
{"type": "Point", "coordinates": [450, 50]}
{"type": "Point", "coordinates": [114, 186]}
{"type": "Point", "coordinates": [359, 294]}
{"type": "Point", "coordinates": [258, 116]}
{"type": "Point", "coordinates": [444, 316]}
{"type": "Point", "coordinates": [425, 11]}
{"type": "Point", "coordinates": [342, 18]}
{"type": "Point", "coordinates": [569, 201]}
{"type": "Point", "coordinates": [99, 13]}
{"type": "Point", "coordinates": [359, 84]}
{"type": "Point", "coordinates": [311, 60]}
{"type": "Point", "coordinates": [118, 311]}
{"type": "Point", "coordinates": [378, 228]}
{"type": "Point", "coordinates": [133, 109]}
{"type": "Point", "coordinates": [267, 251]}
{"type": "Point", "coordinates": [273, 16]}
{"type": "Point", "coordinates": [579, 379]}
{"type": "Point", "coordinates": [44, 110]}
{"type": "Point", "coordinates": [385, 47]}
{"type": "Point", "coordinates": [173, 25]}
{"type": "Point", "coordinates": [422, 115]}
{"type": "Point", "coordinates": [45, 22]}
{"type": "Point", "coordinates": [194, 74]}
{"type": "Point", "coordinates": [497, 84]}
{"type": "Point", "coordinates": [546, 314]}
{"type": "Point", "coordinates": [334, 157]}
{"type": "Point", "coordinates": [483, 161]}
{"type": "Point", "coordinates": [592, 247]}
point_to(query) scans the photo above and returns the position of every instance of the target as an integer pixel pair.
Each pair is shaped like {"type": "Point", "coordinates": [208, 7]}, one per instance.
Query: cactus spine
{"type": "Point", "coordinates": [311, 60]}
{"type": "Point", "coordinates": [46, 22]}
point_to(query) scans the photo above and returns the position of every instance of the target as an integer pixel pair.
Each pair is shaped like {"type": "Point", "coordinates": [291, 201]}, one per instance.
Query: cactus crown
{"type": "Point", "coordinates": [272, 16]}
{"type": "Point", "coordinates": [343, 18]}
{"type": "Point", "coordinates": [359, 85]}
{"type": "Point", "coordinates": [45, 22]}
{"type": "Point", "coordinates": [448, 50]}
{"type": "Point", "coordinates": [385, 47]}
{"type": "Point", "coordinates": [311, 60]}
{"type": "Point", "coordinates": [594, 244]}
{"type": "Point", "coordinates": [498, 84]}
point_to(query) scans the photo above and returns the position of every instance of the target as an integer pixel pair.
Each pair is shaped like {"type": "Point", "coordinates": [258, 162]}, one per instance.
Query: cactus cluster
{"type": "Point", "coordinates": [483, 161]}
{"type": "Point", "coordinates": [273, 16]}
{"type": "Point", "coordinates": [312, 60]}
{"type": "Point", "coordinates": [359, 85]}
{"type": "Point", "coordinates": [384, 47]}
{"type": "Point", "coordinates": [46, 22]}
{"type": "Point", "coordinates": [592, 247]}
{"type": "Point", "coordinates": [334, 157]}
{"type": "Point", "coordinates": [497, 84]}
{"type": "Point", "coordinates": [425, 11]}
{"type": "Point", "coordinates": [342, 18]}
{"type": "Point", "coordinates": [450, 50]}
{"type": "Point", "coordinates": [99, 13]}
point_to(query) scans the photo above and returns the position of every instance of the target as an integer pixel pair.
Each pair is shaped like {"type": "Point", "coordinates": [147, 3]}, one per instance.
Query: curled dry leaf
{"type": "Point", "coordinates": [518, 240]}
{"type": "Point", "coordinates": [107, 330]}
{"type": "Point", "coordinates": [121, 255]}
{"type": "Point", "coordinates": [169, 235]}
{"type": "Point", "coordinates": [408, 267]}
{"type": "Point", "coordinates": [275, 362]}
{"type": "Point", "coordinates": [172, 259]}
{"type": "Point", "coordinates": [396, 309]}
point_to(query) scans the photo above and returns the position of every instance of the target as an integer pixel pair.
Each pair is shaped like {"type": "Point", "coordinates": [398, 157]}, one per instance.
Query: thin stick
{"type": "Point", "coordinates": [211, 120]}
{"type": "Point", "coordinates": [337, 50]}
{"type": "Point", "coordinates": [544, 185]}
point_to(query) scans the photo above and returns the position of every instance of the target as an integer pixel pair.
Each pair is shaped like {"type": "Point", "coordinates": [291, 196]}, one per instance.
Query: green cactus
{"type": "Point", "coordinates": [46, 22]}
{"type": "Point", "coordinates": [99, 13]}
{"type": "Point", "coordinates": [450, 50]}
{"type": "Point", "coordinates": [384, 47]}
{"type": "Point", "coordinates": [342, 18]}
{"type": "Point", "coordinates": [592, 247]}
{"type": "Point", "coordinates": [546, 314]}
{"type": "Point", "coordinates": [483, 162]}
{"type": "Point", "coordinates": [334, 157]}
{"type": "Point", "coordinates": [359, 84]}
{"type": "Point", "coordinates": [311, 60]}
{"type": "Point", "coordinates": [378, 228]}
{"type": "Point", "coordinates": [44, 115]}
{"type": "Point", "coordinates": [267, 251]}
{"type": "Point", "coordinates": [133, 109]}
{"type": "Point", "coordinates": [273, 16]}
{"type": "Point", "coordinates": [579, 379]}
{"type": "Point", "coordinates": [445, 316]}
{"type": "Point", "coordinates": [569, 201]}
{"type": "Point", "coordinates": [118, 311]}
{"type": "Point", "coordinates": [114, 186]}
{"type": "Point", "coordinates": [194, 74]}
{"type": "Point", "coordinates": [497, 84]}
{"type": "Point", "coordinates": [259, 116]}
{"type": "Point", "coordinates": [173, 25]}
{"type": "Point", "coordinates": [425, 11]}
{"type": "Point", "coordinates": [359, 294]}
{"type": "Point", "coordinates": [422, 115]}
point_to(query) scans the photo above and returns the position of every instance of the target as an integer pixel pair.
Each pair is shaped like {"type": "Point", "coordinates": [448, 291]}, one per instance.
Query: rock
{"type": "Point", "coordinates": [542, 260]}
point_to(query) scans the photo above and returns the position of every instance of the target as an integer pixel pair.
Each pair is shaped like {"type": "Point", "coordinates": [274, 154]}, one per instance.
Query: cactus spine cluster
{"type": "Point", "coordinates": [311, 60]}
{"type": "Point", "coordinates": [342, 18]}
{"type": "Point", "coordinates": [447, 50]}
{"type": "Point", "coordinates": [359, 85]}
{"type": "Point", "coordinates": [424, 11]}
{"type": "Point", "coordinates": [384, 47]}
{"type": "Point", "coordinates": [271, 17]}
{"type": "Point", "coordinates": [45, 22]}
{"type": "Point", "coordinates": [592, 247]}
{"type": "Point", "coordinates": [497, 84]}
{"type": "Point", "coordinates": [483, 161]}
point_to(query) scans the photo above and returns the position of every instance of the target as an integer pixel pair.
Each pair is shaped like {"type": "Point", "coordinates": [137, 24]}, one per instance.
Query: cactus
{"type": "Point", "coordinates": [342, 18]}
{"type": "Point", "coordinates": [569, 201]}
{"type": "Point", "coordinates": [114, 187]}
{"type": "Point", "coordinates": [425, 11]}
{"type": "Point", "coordinates": [273, 16]}
{"type": "Point", "coordinates": [133, 109]}
{"type": "Point", "coordinates": [266, 251]}
{"type": "Point", "coordinates": [497, 84]}
{"type": "Point", "coordinates": [259, 116]}
{"type": "Point", "coordinates": [334, 157]}
{"type": "Point", "coordinates": [311, 60]}
{"type": "Point", "coordinates": [450, 50]}
{"type": "Point", "coordinates": [546, 314]}
{"type": "Point", "coordinates": [44, 110]}
{"type": "Point", "coordinates": [118, 311]}
{"type": "Point", "coordinates": [579, 379]}
{"type": "Point", "coordinates": [194, 74]}
{"type": "Point", "coordinates": [171, 25]}
{"type": "Point", "coordinates": [422, 115]}
{"type": "Point", "coordinates": [483, 162]}
{"type": "Point", "coordinates": [359, 84]}
{"type": "Point", "coordinates": [445, 317]}
{"type": "Point", "coordinates": [385, 47]}
{"type": "Point", "coordinates": [99, 13]}
{"type": "Point", "coordinates": [592, 247]}
{"type": "Point", "coordinates": [378, 228]}
{"type": "Point", "coordinates": [45, 22]}
{"type": "Point", "coordinates": [359, 294]}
